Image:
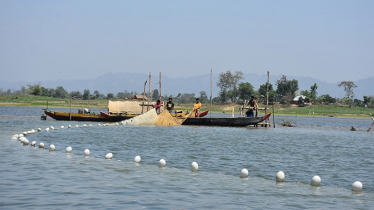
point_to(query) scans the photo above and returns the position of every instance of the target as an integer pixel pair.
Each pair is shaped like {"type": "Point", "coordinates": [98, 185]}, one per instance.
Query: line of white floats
{"type": "Point", "coordinates": [280, 176]}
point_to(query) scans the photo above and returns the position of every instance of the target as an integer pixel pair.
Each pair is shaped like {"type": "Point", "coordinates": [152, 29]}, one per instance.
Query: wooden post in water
{"type": "Point", "coordinates": [267, 100]}
{"type": "Point", "coordinates": [371, 124]}
{"type": "Point", "coordinates": [273, 114]}
{"type": "Point", "coordinates": [211, 99]}
{"type": "Point", "coordinates": [149, 93]}
{"type": "Point", "coordinates": [145, 84]}
{"type": "Point", "coordinates": [70, 110]}
{"type": "Point", "coordinates": [160, 87]}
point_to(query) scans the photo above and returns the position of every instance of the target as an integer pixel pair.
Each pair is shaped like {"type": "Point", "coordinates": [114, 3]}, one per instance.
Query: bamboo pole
{"type": "Point", "coordinates": [149, 92]}
{"type": "Point", "coordinates": [267, 98]}
{"type": "Point", "coordinates": [145, 84]}
{"type": "Point", "coordinates": [273, 115]}
{"type": "Point", "coordinates": [160, 87]}
{"type": "Point", "coordinates": [70, 110]}
{"type": "Point", "coordinates": [211, 98]}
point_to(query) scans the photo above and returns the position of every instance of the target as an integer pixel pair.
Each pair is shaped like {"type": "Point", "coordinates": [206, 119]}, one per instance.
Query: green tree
{"type": "Point", "coordinates": [35, 89]}
{"type": "Point", "coordinates": [287, 88]}
{"type": "Point", "coordinates": [60, 92]}
{"type": "Point", "coordinates": [203, 97]}
{"type": "Point", "coordinates": [245, 90]}
{"type": "Point", "coordinates": [97, 94]}
{"type": "Point", "coordinates": [110, 95]}
{"type": "Point", "coordinates": [348, 88]}
{"type": "Point", "coordinates": [313, 92]}
{"type": "Point", "coordinates": [228, 81]}
{"type": "Point", "coordinates": [155, 95]}
{"type": "Point", "coordinates": [86, 94]}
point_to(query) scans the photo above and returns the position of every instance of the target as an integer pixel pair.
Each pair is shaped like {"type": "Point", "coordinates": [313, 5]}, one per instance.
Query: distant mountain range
{"type": "Point", "coordinates": [134, 82]}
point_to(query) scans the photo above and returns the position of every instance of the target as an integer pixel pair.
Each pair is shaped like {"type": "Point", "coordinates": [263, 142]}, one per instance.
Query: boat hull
{"type": "Point", "coordinates": [229, 122]}
{"type": "Point", "coordinates": [80, 117]}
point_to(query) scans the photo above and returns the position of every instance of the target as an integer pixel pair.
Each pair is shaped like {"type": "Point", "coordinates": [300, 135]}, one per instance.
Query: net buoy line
{"type": "Point", "coordinates": [150, 118]}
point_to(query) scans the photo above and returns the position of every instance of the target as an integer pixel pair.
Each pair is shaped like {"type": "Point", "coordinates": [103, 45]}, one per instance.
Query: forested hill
{"type": "Point", "coordinates": [134, 82]}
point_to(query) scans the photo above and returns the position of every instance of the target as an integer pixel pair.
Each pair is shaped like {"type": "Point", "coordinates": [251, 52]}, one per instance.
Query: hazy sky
{"type": "Point", "coordinates": [331, 40]}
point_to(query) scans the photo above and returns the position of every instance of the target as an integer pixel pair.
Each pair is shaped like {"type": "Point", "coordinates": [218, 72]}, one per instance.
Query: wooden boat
{"type": "Point", "coordinates": [75, 116]}
{"type": "Point", "coordinates": [221, 121]}
{"type": "Point", "coordinates": [117, 117]}
{"type": "Point", "coordinates": [180, 113]}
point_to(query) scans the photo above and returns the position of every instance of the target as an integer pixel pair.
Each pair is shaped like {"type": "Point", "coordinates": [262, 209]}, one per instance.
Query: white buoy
{"type": "Point", "coordinates": [47, 129]}
{"type": "Point", "coordinates": [33, 143]}
{"type": "Point", "coordinates": [244, 173]}
{"type": "Point", "coordinates": [280, 176]}
{"type": "Point", "coordinates": [62, 127]}
{"type": "Point", "coordinates": [194, 166]}
{"type": "Point", "coordinates": [316, 180]}
{"type": "Point", "coordinates": [137, 159]}
{"type": "Point", "coordinates": [41, 145]}
{"type": "Point", "coordinates": [357, 186]}
{"type": "Point", "coordinates": [161, 163]}
{"type": "Point", "coordinates": [69, 126]}
{"type": "Point", "coordinates": [32, 131]}
{"type": "Point", "coordinates": [52, 128]}
{"type": "Point", "coordinates": [69, 149]}
{"type": "Point", "coordinates": [109, 156]}
{"type": "Point", "coordinates": [24, 133]}
{"type": "Point", "coordinates": [39, 129]}
{"type": "Point", "coordinates": [22, 139]}
{"type": "Point", "coordinates": [20, 135]}
{"type": "Point", "coordinates": [90, 125]}
{"type": "Point", "coordinates": [14, 137]}
{"type": "Point", "coordinates": [77, 126]}
{"type": "Point", "coordinates": [86, 152]}
{"type": "Point", "coordinates": [52, 148]}
{"type": "Point", "coordinates": [25, 142]}
{"type": "Point", "coordinates": [84, 125]}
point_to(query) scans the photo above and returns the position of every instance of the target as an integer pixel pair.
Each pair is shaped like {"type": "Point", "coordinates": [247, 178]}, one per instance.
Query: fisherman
{"type": "Point", "coordinates": [196, 107]}
{"type": "Point", "coordinates": [170, 105]}
{"type": "Point", "coordinates": [251, 106]}
{"type": "Point", "coordinates": [157, 106]}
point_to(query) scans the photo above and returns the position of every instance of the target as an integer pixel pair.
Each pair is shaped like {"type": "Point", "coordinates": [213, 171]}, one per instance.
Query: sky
{"type": "Point", "coordinates": [330, 40]}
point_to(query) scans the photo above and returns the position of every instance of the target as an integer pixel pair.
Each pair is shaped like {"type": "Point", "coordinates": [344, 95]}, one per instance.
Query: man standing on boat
{"type": "Point", "coordinates": [170, 105]}
{"type": "Point", "coordinates": [196, 107]}
{"type": "Point", "coordinates": [251, 106]}
{"type": "Point", "coordinates": [157, 106]}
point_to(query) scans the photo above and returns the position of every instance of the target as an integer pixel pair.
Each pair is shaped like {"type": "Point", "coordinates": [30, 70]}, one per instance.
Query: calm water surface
{"type": "Point", "coordinates": [33, 178]}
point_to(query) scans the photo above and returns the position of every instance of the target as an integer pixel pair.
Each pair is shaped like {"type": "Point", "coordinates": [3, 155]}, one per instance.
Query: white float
{"type": "Point", "coordinates": [244, 173]}
{"type": "Point", "coordinates": [39, 129]}
{"type": "Point", "coordinates": [52, 128]}
{"type": "Point", "coordinates": [69, 149]}
{"type": "Point", "coordinates": [86, 152]}
{"type": "Point", "coordinates": [69, 126]}
{"type": "Point", "coordinates": [137, 159]}
{"type": "Point", "coordinates": [357, 186]}
{"type": "Point", "coordinates": [52, 148]}
{"type": "Point", "coordinates": [194, 166]}
{"type": "Point", "coordinates": [161, 163]}
{"type": "Point", "coordinates": [33, 143]}
{"type": "Point", "coordinates": [316, 180]}
{"type": "Point", "coordinates": [25, 142]}
{"type": "Point", "coordinates": [41, 145]}
{"type": "Point", "coordinates": [47, 129]}
{"type": "Point", "coordinates": [62, 127]}
{"type": "Point", "coordinates": [280, 176]}
{"type": "Point", "coordinates": [109, 156]}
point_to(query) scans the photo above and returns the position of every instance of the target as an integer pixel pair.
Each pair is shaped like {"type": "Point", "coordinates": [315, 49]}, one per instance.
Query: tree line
{"type": "Point", "coordinates": [232, 90]}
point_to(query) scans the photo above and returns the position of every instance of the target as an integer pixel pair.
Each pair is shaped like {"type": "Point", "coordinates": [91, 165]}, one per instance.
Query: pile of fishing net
{"type": "Point", "coordinates": [152, 118]}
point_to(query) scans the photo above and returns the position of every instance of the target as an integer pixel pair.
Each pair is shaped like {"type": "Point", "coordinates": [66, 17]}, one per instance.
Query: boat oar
{"type": "Point", "coordinates": [371, 124]}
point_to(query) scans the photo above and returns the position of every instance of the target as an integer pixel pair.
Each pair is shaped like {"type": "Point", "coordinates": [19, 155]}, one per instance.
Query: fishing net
{"type": "Point", "coordinates": [151, 118]}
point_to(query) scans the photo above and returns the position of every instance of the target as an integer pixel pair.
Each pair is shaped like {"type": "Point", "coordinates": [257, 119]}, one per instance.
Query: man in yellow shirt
{"type": "Point", "coordinates": [196, 107]}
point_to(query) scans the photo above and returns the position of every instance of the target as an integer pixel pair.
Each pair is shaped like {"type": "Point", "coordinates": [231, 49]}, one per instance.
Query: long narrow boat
{"type": "Point", "coordinates": [117, 117]}
{"type": "Point", "coordinates": [75, 116]}
{"type": "Point", "coordinates": [221, 121]}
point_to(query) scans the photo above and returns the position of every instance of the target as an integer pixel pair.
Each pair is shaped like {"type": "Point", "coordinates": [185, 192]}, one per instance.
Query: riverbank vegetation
{"type": "Point", "coordinates": [286, 98]}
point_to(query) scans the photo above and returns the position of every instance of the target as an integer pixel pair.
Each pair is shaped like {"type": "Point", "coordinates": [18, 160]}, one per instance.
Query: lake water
{"type": "Point", "coordinates": [33, 178]}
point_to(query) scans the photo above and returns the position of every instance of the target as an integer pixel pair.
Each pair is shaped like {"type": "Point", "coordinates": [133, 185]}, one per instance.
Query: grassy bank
{"type": "Point", "coordinates": [330, 111]}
